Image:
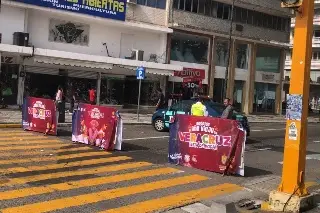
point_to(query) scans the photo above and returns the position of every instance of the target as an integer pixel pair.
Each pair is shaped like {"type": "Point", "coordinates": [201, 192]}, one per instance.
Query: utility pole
{"type": "Point", "coordinates": [292, 194]}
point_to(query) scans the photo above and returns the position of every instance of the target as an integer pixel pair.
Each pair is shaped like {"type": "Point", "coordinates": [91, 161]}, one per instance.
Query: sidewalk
{"type": "Point", "coordinates": [11, 116]}
{"type": "Point", "coordinates": [14, 117]}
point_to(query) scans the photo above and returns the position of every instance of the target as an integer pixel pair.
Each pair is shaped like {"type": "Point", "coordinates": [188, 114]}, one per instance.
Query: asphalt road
{"type": "Point", "coordinates": [66, 177]}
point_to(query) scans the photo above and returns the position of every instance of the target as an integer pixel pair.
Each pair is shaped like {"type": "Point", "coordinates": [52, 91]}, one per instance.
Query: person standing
{"type": "Point", "coordinates": [58, 101]}
{"type": "Point", "coordinates": [228, 111]}
{"type": "Point", "coordinates": [72, 100]}
{"type": "Point", "coordinates": [161, 100]}
{"type": "Point", "coordinates": [199, 109]}
{"type": "Point", "coordinates": [92, 96]}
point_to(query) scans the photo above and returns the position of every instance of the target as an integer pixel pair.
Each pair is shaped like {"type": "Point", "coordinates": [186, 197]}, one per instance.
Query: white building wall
{"type": "Point", "coordinates": [150, 43]}
{"type": "Point", "coordinates": [11, 20]}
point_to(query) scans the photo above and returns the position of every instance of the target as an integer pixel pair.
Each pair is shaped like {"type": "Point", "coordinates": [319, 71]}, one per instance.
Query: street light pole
{"type": "Point", "coordinates": [229, 53]}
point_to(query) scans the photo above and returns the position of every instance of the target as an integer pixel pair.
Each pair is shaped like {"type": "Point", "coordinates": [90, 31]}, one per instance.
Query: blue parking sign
{"type": "Point", "coordinates": [140, 73]}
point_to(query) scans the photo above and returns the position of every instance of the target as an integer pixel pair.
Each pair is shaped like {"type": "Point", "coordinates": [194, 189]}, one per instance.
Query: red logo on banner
{"type": "Point", "coordinates": [191, 73]}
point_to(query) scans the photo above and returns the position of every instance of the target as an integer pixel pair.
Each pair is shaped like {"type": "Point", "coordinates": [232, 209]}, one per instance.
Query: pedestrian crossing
{"type": "Point", "coordinates": [45, 174]}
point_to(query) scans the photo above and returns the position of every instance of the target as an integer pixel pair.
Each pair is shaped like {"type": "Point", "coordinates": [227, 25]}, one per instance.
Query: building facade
{"type": "Point", "coordinates": [260, 36]}
{"type": "Point", "coordinates": [314, 96]}
{"type": "Point", "coordinates": [182, 43]}
{"type": "Point", "coordinates": [45, 44]}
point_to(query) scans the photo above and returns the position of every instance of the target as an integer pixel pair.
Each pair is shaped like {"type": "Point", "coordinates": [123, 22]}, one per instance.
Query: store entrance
{"type": "Point", "coordinates": [44, 86]}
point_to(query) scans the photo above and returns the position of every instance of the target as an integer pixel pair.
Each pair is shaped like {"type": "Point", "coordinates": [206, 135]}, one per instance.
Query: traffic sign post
{"type": "Point", "coordinates": [140, 73]}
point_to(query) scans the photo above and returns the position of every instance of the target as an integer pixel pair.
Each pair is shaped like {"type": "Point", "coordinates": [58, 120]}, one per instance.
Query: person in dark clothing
{"type": "Point", "coordinates": [72, 100]}
{"type": "Point", "coordinates": [228, 111]}
{"type": "Point", "coordinates": [161, 100]}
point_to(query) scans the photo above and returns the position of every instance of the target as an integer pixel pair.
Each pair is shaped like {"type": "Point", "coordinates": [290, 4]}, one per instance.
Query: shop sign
{"type": "Point", "coordinates": [191, 73]}
{"type": "Point", "coordinates": [7, 60]}
{"type": "Point", "coordinates": [268, 77]}
{"type": "Point", "coordinates": [115, 9]}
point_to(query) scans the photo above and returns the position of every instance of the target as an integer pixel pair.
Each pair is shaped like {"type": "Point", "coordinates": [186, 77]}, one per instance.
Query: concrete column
{"type": "Point", "coordinates": [278, 101]}
{"type": "Point", "coordinates": [249, 84]}
{"type": "Point", "coordinates": [212, 65]}
{"type": "Point", "coordinates": [98, 87]}
{"type": "Point", "coordinates": [231, 74]}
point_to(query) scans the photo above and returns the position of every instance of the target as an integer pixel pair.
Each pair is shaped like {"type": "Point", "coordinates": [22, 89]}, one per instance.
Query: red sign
{"type": "Point", "coordinates": [39, 115]}
{"type": "Point", "coordinates": [211, 144]}
{"type": "Point", "coordinates": [191, 73]}
{"type": "Point", "coordinates": [96, 126]}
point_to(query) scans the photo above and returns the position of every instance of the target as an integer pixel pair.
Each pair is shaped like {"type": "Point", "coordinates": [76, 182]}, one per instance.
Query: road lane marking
{"type": "Point", "coordinates": [46, 151]}
{"type": "Point", "coordinates": [96, 170]}
{"type": "Point", "coordinates": [146, 138]}
{"type": "Point", "coordinates": [54, 157]}
{"type": "Point", "coordinates": [30, 143]}
{"type": "Point", "coordinates": [5, 134]}
{"type": "Point", "coordinates": [176, 200]}
{"type": "Point", "coordinates": [309, 157]}
{"type": "Point", "coordinates": [41, 146]}
{"type": "Point", "coordinates": [52, 205]}
{"type": "Point", "coordinates": [316, 141]}
{"type": "Point", "coordinates": [49, 188]}
{"type": "Point", "coordinates": [260, 130]}
{"type": "Point", "coordinates": [23, 138]}
{"type": "Point", "coordinates": [66, 165]}
{"type": "Point", "coordinates": [255, 150]}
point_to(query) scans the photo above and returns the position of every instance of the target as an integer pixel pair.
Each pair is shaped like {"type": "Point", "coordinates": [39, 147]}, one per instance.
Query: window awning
{"type": "Point", "coordinates": [15, 50]}
{"type": "Point", "coordinates": [62, 58]}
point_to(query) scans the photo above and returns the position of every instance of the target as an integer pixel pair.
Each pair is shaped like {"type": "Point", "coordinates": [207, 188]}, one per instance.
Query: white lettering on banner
{"type": "Point", "coordinates": [95, 113]}
{"type": "Point", "coordinates": [39, 111]}
{"type": "Point", "coordinates": [175, 156]}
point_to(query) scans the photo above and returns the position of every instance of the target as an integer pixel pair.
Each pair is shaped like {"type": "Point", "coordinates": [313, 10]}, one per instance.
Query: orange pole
{"type": "Point", "coordinates": [294, 162]}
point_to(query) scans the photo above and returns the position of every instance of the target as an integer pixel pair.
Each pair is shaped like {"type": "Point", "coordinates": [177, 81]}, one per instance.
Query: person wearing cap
{"type": "Point", "coordinates": [199, 109]}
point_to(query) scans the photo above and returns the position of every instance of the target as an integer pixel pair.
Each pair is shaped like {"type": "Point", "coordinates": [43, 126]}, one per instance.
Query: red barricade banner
{"type": "Point", "coordinates": [39, 114]}
{"type": "Point", "coordinates": [97, 126]}
{"type": "Point", "coordinates": [206, 143]}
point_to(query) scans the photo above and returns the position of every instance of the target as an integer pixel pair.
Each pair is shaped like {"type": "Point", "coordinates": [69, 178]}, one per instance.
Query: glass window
{"type": "Point", "coordinates": [141, 2]}
{"type": "Point", "coordinates": [316, 33]}
{"type": "Point", "coordinates": [264, 97]}
{"type": "Point", "coordinates": [161, 4]}
{"type": "Point", "coordinates": [226, 11]}
{"type": "Point", "coordinates": [250, 17]}
{"type": "Point", "coordinates": [221, 55]}
{"type": "Point", "coordinates": [279, 23]}
{"type": "Point", "coordinates": [181, 4]}
{"type": "Point", "coordinates": [237, 15]}
{"type": "Point", "coordinates": [268, 59]}
{"type": "Point", "coordinates": [242, 56]}
{"type": "Point", "coordinates": [189, 48]}
{"type": "Point", "coordinates": [219, 10]}
{"type": "Point", "coordinates": [244, 15]}
{"type": "Point", "coordinates": [176, 4]}
{"type": "Point", "coordinates": [194, 6]}
{"type": "Point", "coordinates": [151, 3]}
{"type": "Point", "coordinates": [188, 5]}
{"type": "Point", "coordinates": [201, 6]}
{"type": "Point", "coordinates": [214, 11]}
{"type": "Point", "coordinates": [207, 9]}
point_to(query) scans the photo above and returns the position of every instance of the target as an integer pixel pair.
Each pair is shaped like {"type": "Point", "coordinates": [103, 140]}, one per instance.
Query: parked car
{"type": "Point", "coordinates": [161, 118]}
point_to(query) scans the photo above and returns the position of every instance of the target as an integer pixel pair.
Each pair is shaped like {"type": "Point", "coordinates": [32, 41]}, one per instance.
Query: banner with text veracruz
{"type": "Point", "coordinates": [206, 143]}
{"type": "Point", "coordinates": [39, 114]}
{"type": "Point", "coordinates": [115, 9]}
{"type": "Point", "coordinates": [97, 126]}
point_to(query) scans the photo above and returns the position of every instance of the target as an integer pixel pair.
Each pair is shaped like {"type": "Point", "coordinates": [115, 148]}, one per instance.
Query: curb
{"type": "Point", "coordinates": [18, 125]}
{"type": "Point", "coordinates": [11, 125]}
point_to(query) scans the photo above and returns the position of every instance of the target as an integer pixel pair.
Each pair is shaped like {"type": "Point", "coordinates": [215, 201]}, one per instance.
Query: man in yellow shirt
{"type": "Point", "coordinates": [199, 109]}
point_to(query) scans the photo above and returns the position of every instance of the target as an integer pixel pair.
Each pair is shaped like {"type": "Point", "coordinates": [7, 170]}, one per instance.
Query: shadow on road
{"type": "Point", "coordinates": [255, 172]}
